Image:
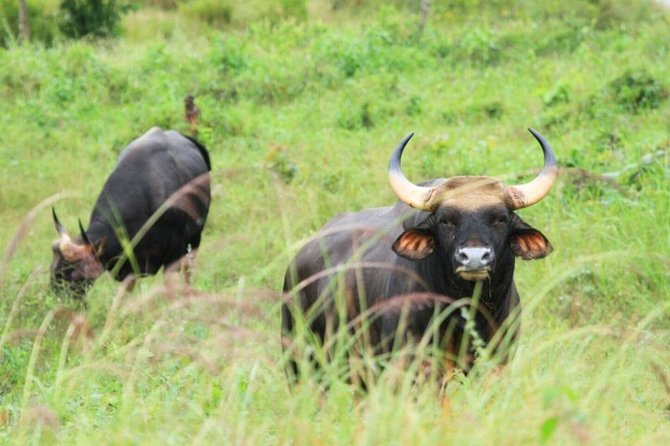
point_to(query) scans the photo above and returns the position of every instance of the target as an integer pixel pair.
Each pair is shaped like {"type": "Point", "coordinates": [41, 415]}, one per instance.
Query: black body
{"type": "Point", "coordinates": [149, 171]}
{"type": "Point", "coordinates": [371, 235]}
{"type": "Point", "coordinates": [161, 171]}
{"type": "Point", "coordinates": [399, 274]}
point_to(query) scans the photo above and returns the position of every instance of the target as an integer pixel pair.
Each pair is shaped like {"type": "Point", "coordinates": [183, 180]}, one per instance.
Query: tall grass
{"type": "Point", "coordinates": [299, 116]}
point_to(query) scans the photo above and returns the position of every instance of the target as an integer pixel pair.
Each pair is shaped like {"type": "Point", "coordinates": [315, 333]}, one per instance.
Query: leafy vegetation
{"type": "Point", "coordinates": [81, 18]}
{"type": "Point", "coordinates": [301, 105]}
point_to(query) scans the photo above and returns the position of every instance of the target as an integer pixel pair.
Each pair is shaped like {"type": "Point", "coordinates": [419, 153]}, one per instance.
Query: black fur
{"type": "Point", "coordinates": [370, 236]}
{"type": "Point", "coordinates": [148, 172]}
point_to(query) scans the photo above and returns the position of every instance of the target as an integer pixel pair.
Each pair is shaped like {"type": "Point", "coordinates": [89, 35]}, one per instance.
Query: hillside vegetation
{"type": "Point", "coordinates": [302, 103]}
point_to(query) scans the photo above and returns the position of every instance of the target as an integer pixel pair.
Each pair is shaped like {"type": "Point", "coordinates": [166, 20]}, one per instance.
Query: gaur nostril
{"type": "Point", "coordinates": [462, 256]}
{"type": "Point", "coordinates": [487, 256]}
{"type": "Point", "coordinates": [474, 257]}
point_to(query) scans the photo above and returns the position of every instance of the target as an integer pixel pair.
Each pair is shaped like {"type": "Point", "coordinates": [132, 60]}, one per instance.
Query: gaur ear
{"type": "Point", "coordinates": [99, 247]}
{"type": "Point", "coordinates": [414, 244]}
{"type": "Point", "coordinates": [527, 242]}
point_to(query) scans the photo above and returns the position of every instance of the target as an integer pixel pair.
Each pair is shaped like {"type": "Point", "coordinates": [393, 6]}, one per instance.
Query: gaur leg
{"type": "Point", "coordinates": [185, 260]}
{"type": "Point", "coordinates": [188, 261]}
{"type": "Point", "coordinates": [298, 305]}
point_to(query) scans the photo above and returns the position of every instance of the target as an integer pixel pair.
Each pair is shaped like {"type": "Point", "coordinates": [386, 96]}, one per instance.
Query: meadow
{"type": "Point", "coordinates": [301, 104]}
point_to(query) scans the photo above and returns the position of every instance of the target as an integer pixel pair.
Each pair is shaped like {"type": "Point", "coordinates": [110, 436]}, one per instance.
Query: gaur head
{"type": "Point", "coordinates": [469, 220]}
{"type": "Point", "coordinates": [76, 263]}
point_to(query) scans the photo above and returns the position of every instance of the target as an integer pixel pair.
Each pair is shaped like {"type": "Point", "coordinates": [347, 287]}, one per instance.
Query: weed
{"type": "Point", "coordinates": [212, 12]}
{"type": "Point", "coordinates": [638, 91]}
{"type": "Point", "coordinates": [479, 46]}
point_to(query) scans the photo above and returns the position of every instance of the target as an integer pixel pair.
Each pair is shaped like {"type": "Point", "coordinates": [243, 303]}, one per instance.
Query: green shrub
{"type": "Point", "coordinates": [43, 25]}
{"type": "Point", "coordinates": [350, 62]}
{"type": "Point", "coordinates": [164, 4]}
{"type": "Point", "coordinates": [636, 91]}
{"type": "Point", "coordinates": [279, 162]}
{"type": "Point", "coordinates": [565, 38]}
{"type": "Point", "coordinates": [355, 118]}
{"type": "Point", "coordinates": [479, 46]}
{"type": "Point", "coordinates": [213, 12]}
{"type": "Point", "coordinates": [560, 94]}
{"type": "Point", "coordinates": [98, 18]}
{"type": "Point", "coordinates": [296, 9]}
{"type": "Point", "coordinates": [414, 106]}
{"type": "Point", "coordinates": [284, 10]}
{"type": "Point", "coordinates": [612, 13]}
{"type": "Point", "coordinates": [228, 55]}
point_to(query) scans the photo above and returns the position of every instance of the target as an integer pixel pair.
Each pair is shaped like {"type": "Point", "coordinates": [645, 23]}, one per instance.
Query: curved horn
{"type": "Point", "coordinates": [418, 197]}
{"type": "Point", "coordinates": [59, 227]}
{"type": "Point", "coordinates": [83, 233]}
{"type": "Point", "coordinates": [528, 194]}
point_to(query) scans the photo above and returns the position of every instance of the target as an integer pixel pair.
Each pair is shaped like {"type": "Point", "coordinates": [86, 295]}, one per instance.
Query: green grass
{"type": "Point", "coordinates": [300, 115]}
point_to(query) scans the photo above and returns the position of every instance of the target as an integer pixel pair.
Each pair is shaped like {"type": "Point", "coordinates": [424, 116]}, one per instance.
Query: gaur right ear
{"type": "Point", "coordinates": [415, 244]}
{"type": "Point", "coordinates": [530, 244]}
{"type": "Point", "coordinates": [527, 242]}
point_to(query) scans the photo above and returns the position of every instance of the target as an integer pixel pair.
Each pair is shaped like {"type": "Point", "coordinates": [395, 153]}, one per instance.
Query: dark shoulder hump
{"type": "Point", "coordinates": [202, 149]}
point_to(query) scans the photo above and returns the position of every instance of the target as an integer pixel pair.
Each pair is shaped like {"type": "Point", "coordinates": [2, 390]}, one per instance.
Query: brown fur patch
{"type": "Point", "coordinates": [469, 193]}
{"type": "Point", "coordinates": [83, 256]}
{"type": "Point", "coordinates": [73, 252]}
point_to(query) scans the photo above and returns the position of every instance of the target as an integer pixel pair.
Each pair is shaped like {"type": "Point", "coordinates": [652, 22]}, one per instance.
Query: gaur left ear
{"type": "Point", "coordinates": [99, 247]}
{"type": "Point", "coordinates": [527, 242]}
{"type": "Point", "coordinates": [414, 244]}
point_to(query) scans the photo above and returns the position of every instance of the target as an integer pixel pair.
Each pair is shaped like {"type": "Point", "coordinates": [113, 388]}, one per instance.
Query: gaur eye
{"type": "Point", "coordinates": [447, 222]}
{"type": "Point", "coordinates": [500, 220]}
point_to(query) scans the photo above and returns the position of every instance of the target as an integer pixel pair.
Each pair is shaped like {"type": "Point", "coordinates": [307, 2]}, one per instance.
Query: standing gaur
{"type": "Point", "coordinates": [438, 240]}
{"type": "Point", "coordinates": [160, 186]}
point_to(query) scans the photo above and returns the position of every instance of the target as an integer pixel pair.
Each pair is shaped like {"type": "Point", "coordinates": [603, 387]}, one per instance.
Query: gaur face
{"type": "Point", "coordinates": [472, 239]}
{"type": "Point", "coordinates": [469, 220]}
{"type": "Point", "coordinates": [68, 276]}
{"type": "Point", "coordinates": [75, 264]}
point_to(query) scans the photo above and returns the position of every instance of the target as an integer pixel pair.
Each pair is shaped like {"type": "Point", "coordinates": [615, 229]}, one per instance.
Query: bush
{"type": "Point", "coordinates": [560, 94]}
{"type": "Point", "coordinates": [279, 162]}
{"type": "Point", "coordinates": [636, 91]}
{"type": "Point", "coordinates": [43, 26]}
{"type": "Point", "coordinates": [355, 118]}
{"type": "Point", "coordinates": [213, 12]}
{"type": "Point", "coordinates": [228, 55]}
{"type": "Point", "coordinates": [99, 18]}
{"type": "Point", "coordinates": [479, 47]}
{"type": "Point", "coordinates": [614, 13]}
{"type": "Point", "coordinates": [296, 9]}
{"type": "Point", "coordinates": [163, 4]}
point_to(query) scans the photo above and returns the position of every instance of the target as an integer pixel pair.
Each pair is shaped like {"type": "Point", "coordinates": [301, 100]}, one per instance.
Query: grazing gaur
{"type": "Point", "coordinates": [438, 240]}
{"type": "Point", "coordinates": [160, 186]}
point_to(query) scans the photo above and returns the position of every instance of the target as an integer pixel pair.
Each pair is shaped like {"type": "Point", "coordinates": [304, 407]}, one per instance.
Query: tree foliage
{"type": "Point", "coordinates": [98, 18]}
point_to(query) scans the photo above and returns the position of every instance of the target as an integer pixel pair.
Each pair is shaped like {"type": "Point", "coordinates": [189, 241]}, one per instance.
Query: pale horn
{"type": "Point", "coordinates": [418, 197]}
{"type": "Point", "coordinates": [528, 194]}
